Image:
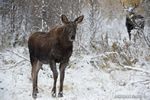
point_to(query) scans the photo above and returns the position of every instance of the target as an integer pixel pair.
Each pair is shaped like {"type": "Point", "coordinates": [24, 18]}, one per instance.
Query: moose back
{"type": "Point", "coordinates": [50, 48]}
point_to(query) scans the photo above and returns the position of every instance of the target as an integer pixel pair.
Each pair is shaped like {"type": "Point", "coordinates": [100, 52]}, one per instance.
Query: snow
{"type": "Point", "coordinates": [82, 80]}
{"type": "Point", "coordinates": [114, 69]}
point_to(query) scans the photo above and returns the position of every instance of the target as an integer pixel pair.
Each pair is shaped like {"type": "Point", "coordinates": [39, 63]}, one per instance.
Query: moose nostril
{"type": "Point", "coordinates": [73, 37]}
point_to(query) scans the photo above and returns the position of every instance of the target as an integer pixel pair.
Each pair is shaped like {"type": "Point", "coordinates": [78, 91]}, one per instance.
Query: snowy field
{"type": "Point", "coordinates": [84, 80]}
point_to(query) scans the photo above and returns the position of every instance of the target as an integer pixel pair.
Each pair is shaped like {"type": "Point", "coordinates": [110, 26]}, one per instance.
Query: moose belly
{"type": "Point", "coordinates": [61, 56]}
{"type": "Point", "coordinates": [43, 58]}
{"type": "Point", "coordinates": [57, 55]}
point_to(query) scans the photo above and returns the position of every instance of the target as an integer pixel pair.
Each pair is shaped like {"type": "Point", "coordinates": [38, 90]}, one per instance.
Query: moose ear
{"type": "Point", "coordinates": [79, 19]}
{"type": "Point", "coordinates": [64, 19]}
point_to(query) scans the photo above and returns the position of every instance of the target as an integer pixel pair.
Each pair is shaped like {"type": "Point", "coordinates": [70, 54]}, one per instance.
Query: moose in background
{"type": "Point", "coordinates": [133, 21]}
{"type": "Point", "coordinates": [52, 47]}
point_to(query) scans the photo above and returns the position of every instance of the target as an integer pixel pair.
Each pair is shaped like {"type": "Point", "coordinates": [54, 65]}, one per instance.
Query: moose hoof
{"type": "Point", "coordinates": [37, 91]}
{"type": "Point", "coordinates": [60, 94]}
{"type": "Point", "coordinates": [53, 94]}
{"type": "Point", "coordinates": [34, 95]}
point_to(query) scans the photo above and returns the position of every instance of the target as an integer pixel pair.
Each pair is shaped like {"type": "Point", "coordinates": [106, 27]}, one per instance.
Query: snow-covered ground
{"type": "Point", "coordinates": [84, 79]}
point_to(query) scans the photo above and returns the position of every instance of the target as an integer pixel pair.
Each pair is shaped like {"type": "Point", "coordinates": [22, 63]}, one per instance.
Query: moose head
{"type": "Point", "coordinates": [71, 26]}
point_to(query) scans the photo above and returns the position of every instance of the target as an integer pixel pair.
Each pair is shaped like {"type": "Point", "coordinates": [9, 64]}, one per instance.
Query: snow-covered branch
{"type": "Point", "coordinates": [137, 69]}
{"type": "Point", "coordinates": [18, 55]}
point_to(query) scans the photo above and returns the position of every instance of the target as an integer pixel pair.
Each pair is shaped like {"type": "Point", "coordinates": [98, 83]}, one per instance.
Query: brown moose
{"type": "Point", "coordinates": [52, 47]}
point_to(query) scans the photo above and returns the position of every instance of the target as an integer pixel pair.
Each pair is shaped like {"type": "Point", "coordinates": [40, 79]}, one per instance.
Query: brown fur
{"type": "Point", "coordinates": [52, 47]}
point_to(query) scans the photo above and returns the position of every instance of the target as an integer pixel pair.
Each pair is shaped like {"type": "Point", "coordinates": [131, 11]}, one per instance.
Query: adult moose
{"type": "Point", "coordinates": [52, 47]}
{"type": "Point", "coordinates": [133, 21]}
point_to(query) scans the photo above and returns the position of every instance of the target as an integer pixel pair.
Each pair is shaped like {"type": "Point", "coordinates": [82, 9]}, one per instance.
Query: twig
{"type": "Point", "coordinates": [139, 28]}
{"type": "Point", "coordinates": [104, 55]}
{"type": "Point", "coordinates": [12, 66]}
{"type": "Point", "coordinates": [140, 81]}
{"type": "Point", "coordinates": [18, 55]}
{"type": "Point", "coordinates": [85, 49]}
{"type": "Point", "coordinates": [137, 69]}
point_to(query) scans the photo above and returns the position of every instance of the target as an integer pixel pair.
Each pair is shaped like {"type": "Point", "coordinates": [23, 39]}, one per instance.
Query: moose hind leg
{"type": "Point", "coordinates": [55, 75]}
{"type": "Point", "coordinates": [62, 75]}
{"type": "Point", "coordinates": [35, 69]}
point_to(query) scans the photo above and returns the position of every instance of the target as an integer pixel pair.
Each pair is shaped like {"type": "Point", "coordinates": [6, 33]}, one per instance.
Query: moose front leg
{"type": "Point", "coordinates": [55, 75]}
{"type": "Point", "coordinates": [62, 75]}
{"type": "Point", "coordinates": [129, 32]}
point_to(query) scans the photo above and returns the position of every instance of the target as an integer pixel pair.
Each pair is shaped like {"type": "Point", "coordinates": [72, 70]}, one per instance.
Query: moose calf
{"type": "Point", "coordinates": [50, 48]}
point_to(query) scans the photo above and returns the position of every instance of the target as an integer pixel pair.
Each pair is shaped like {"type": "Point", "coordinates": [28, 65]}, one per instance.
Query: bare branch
{"type": "Point", "coordinates": [136, 69]}
{"type": "Point", "coordinates": [19, 55]}
{"type": "Point", "coordinates": [12, 66]}
{"type": "Point", "coordinates": [141, 30]}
